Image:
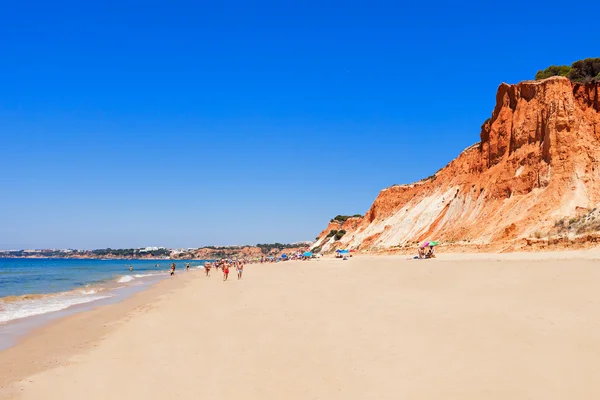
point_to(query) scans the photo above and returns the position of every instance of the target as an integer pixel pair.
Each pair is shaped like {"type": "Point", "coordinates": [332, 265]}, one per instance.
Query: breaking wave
{"type": "Point", "coordinates": [16, 307]}
{"type": "Point", "coordinates": [126, 278]}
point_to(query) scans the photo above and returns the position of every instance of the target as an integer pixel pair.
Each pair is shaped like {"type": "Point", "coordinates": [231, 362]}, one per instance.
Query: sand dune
{"type": "Point", "coordinates": [367, 328]}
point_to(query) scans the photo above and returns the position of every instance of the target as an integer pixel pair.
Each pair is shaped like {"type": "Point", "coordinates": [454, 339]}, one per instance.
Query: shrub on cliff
{"type": "Point", "coordinates": [339, 234]}
{"type": "Point", "coordinates": [553, 70]}
{"type": "Point", "coordinates": [344, 218]}
{"type": "Point", "coordinates": [585, 70]}
{"type": "Point", "coordinates": [330, 234]}
{"type": "Point", "coordinates": [340, 218]}
{"type": "Point", "coordinates": [582, 71]}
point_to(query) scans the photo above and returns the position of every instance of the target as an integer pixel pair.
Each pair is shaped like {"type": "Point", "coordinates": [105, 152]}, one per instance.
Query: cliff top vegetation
{"type": "Point", "coordinates": [343, 218]}
{"type": "Point", "coordinates": [582, 71]}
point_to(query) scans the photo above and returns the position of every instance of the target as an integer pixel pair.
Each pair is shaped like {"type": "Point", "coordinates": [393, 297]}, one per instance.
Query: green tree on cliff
{"type": "Point", "coordinates": [585, 70]}
{"type": "Point", "coordinates": [553, 70]}
{"type": "Point", "coordinates": [582, 71]}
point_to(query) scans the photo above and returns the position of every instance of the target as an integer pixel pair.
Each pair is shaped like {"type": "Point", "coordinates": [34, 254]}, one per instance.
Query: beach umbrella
{"type": "Point", "coordinates": [284, 256]}
{"type": "Point", "coordinates": [338, 251]}
{"type": "Point", "coordinates": [425, 245]}
{"type": "Point", "coordinates": [308, 254]}
{"type": "Point", "coordinates": [344, 252]}
{"type": "Point", "coordinates": [433, 243]}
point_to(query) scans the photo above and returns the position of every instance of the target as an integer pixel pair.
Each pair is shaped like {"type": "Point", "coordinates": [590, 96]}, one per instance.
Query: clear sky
{"type": "Point", "coordinates": [182, 124]}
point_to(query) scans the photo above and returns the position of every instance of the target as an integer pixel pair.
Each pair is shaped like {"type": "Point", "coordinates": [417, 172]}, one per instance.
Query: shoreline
{"type": "Point", "coordinates": [31, 288]}
{"type": "Point", "coordinates": [52, 342]}
{"type": "Point", "coordinates": [13, 330]}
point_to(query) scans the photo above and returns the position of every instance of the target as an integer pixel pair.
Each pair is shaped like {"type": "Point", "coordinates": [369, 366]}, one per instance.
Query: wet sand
{"type": "Point", "coordinates": [496, 327]}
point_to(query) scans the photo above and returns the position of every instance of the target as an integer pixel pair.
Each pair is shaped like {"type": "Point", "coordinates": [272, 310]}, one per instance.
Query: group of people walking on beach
{"type": "Point", "coordinates": [224, 265]}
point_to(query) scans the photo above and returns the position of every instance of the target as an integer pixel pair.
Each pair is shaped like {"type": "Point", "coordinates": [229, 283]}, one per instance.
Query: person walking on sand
{"type": "Point", "coordinates": [207, 267]}
{"type": "Point", "coordinates": [225, 271]}
{"type": "Point", "coordinates": [172, 269]}
{"type": "Point", "coordinates": [240, 269]}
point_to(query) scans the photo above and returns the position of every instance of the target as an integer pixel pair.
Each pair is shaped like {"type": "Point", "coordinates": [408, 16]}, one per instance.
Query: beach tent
{"type": "Point", "coordinates": [308, 254]}
{"type": "Point", "coordinates": [284, 256]}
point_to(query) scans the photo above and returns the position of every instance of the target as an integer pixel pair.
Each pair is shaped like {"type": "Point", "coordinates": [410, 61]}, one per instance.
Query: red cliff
{"type": "Point", "coordinates": [537, 162]}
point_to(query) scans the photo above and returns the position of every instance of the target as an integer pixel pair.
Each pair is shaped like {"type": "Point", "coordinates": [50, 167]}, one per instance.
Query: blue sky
{"type": "Point", "coordinates": [182, 124]}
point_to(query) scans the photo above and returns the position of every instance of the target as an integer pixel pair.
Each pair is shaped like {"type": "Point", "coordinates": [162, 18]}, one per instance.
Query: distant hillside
{"type": "Point", "coordinates": [203, 253]}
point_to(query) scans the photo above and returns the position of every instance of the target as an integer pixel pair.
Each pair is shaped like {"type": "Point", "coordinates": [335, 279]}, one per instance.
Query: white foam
{"type": "Point", "coordinates": [126, 278]}
{"type": "Point", "coordinates": [91, 291]}
{"type": "Point", "coordinates": [147, 275]}
{"type": "Point", "coordinates": [28, 308]}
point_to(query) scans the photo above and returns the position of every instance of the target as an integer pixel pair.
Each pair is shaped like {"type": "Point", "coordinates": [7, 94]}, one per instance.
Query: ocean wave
{"type": "Point", "coordinates": [147, 275]}
{"type": "Point", "coordinates": [17, 307]}
{"type": "Point", "coordinates": [23, 297]}
{"type": "Point", "coordinates": [126, 278]}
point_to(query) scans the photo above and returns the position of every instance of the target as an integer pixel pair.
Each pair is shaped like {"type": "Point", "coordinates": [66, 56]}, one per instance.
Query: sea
{"type": "Point", "coordinates": [36, 286]}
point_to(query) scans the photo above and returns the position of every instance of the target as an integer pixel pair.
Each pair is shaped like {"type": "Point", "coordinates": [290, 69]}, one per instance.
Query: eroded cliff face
{"type": "Point", "coordinates": [537, 162]}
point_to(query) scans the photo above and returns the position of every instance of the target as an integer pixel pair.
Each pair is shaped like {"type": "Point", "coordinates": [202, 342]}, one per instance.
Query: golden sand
{"type": "Point", "coordinates": [368, 328]}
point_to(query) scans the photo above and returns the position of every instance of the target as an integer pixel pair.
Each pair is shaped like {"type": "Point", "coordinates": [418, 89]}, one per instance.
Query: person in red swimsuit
{"type": "Point", "coordinates": [225, 271]}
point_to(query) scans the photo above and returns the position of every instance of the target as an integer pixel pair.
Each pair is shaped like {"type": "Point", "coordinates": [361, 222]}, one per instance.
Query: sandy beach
{"type": "Point", "coordinates": [457, 327]}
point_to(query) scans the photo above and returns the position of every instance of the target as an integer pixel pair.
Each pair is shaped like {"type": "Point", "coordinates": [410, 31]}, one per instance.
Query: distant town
{"type": "Point", "coordinates": [152, 252]}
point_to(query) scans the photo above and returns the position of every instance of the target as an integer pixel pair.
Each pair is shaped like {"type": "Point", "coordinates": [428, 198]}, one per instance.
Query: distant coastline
{"type": "Point", "coordinates": [160, 253]}
{"type": "Point", "coordinates": [83, 257]}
